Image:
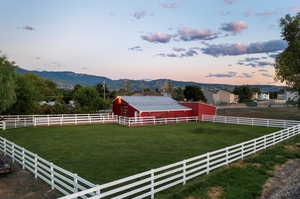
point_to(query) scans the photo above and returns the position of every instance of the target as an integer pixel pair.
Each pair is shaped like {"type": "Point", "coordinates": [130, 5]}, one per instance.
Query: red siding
{"type": "Point", "coordinates": [200, 108]}
{"type": "Point", "coordinates": [168, 114]}
{"type": "Point", "coordinates": [128, 110]}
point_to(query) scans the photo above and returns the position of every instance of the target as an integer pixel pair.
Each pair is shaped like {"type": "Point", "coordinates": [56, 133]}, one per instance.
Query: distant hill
{"type": "Point", "coordinates": [66, 79]}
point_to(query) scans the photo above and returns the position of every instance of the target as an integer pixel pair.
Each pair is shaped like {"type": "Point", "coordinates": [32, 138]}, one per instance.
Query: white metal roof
{"type": "Point", "coordinates": [154, 103]}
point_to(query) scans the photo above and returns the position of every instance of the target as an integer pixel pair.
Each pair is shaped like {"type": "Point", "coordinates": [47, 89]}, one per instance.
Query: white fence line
{"type": "Point", "coordinates": [57, 177]}
{"type": "Point", "coordinates": [148, 183]}
{"type": "Point", "coordinates": [141, 121]}
{"type": "Point", "coordinates": [250, 121]}
{"type": "Point", "coordinates": [52, 120]}
{"type": "Point", "coordinates": [2, 125]}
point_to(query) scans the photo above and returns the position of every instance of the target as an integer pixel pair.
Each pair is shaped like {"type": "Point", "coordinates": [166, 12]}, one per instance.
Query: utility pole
{"type": "Point", "coordinates": [104, 89]}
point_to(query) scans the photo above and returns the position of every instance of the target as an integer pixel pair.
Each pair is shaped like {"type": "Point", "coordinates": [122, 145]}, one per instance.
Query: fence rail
{"type": "Point", "coordinates": [57, 177]}
{"type": "Point", "coordinates": [250, 121]}
{"type": "Point", "coordinates": [142, 121]}
{"type": "Point", "coordinates": [52, 120]}
{"type": "Point", "coordinates": [147, 184]}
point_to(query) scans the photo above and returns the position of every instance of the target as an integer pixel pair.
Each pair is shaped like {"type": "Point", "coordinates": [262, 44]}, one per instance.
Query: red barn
{"type": "Point", "coordinates": [159, 106]}
{"type": "Point", "coordinates": [142, 106]}
{"type": "Point", "coordinates": [200, 108]}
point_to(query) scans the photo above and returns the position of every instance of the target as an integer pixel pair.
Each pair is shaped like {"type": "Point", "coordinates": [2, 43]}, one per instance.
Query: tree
{"type": "Point", "coordinates": [194, 93]}
{"type": "Point", "coordinates": [168, 87]}
{"type": "Point", "coordinates": [100, 89]}
{"type": "Point", "coordinates": [27, 96]}
{"type": "Point", "coordinates": [88, 99]}
{"type": "Point", "coordinates": [7, 84]}
{"type": "Point", "coordinates": [244, 92]}
{"type": "Point", "coordinates": [273, 95]}
{"type": "Point", "coordinates": [287, 66]}
{"type": "Point", "coordinates": [177, 94]}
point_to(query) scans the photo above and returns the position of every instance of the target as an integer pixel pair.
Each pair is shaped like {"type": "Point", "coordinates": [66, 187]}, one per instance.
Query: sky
{"type": "Point", "coordinates": [208, 41]}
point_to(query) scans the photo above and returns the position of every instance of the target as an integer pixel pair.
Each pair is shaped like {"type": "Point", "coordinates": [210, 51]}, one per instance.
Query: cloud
{"type": "Point", "coordinates": [189, 34]}
{"type": "Point", "coordinates": [179, 49]}
{"type": "Point", "coordinates": [255, 62]}
{"type": "Point", "coordinates": [222, 75]}
{"type": "Point", "coordinates": [30, 28]}
{"type": "Point", "coordinates": [245, 75]}
{"type": "Point", "coordinates": [169, 5]}
{"type": "Point", "coordinates": [157, 37]}
{"type": "Point", "coordinates": [140, 14]}
{"type": "Point", "coordinates": [241, 49]}
{"type": "Point", "coordinates": [266, 75]}
{"type": "Point", "coordinates": [234, 27]}
{"type": "Point", "coordinates": [135, 48]}
{"type": "Point", "coordinates": [167, 55]}
{"type": "Point", "coordinates": [266, 13]}
{"type": "Point", "coordinates": [230, 2]}
{"type": "Point", "coordinates": [189, 53]}
{"type": "Point", "coordinates": [263, 70]}
{"type": "Point", "coordinates": [294, 9]}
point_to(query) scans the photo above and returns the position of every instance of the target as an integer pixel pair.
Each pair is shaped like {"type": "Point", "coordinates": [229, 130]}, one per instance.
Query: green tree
{"type": "Point", "coordinates": [27, 96]}
{"type": "Point", "coordinates": [102, 89]}
{"type": "Point", "coordinates": [7, 84]}
{"type": "Point", "coordinates": [194, 93]}
{"type": "Point", "coordinates": [177, 94]}
{"type": "Point", "coordinates": [88, 100]}
{"type": "Point", "coordinates": [287, 67]}
{"type": "Point", "coordinates": [244, 92]}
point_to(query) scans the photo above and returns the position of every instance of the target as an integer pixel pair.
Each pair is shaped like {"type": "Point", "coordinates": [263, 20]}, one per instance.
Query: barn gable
{"type": "Point", "coordinates": [154, 103]}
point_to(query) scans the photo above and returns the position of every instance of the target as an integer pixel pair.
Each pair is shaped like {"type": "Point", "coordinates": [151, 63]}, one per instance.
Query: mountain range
{"type": "Point", "coordinates": [67, 79]}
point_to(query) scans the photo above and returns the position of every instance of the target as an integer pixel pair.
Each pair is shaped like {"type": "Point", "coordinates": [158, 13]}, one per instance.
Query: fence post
{"type": "Point", "coordinates": [48, 120]}
{"type": "Point", "coordinates": [3, 125]}
{"type": "Point", "coordinates": [75, 183]}
{"type": "Point", "coordinates": [152, 183]}
{"type": "Point", "coordinates": [252, 121]}
{"type": "Point", "coordinates": [227, 155]}
{"type": "Point", "coordinates": [242, 151]}
{"type": "Point", "coordinates": [207, 163]}
{"type": "Point", "coordinates": [52, 175]}
{"type": "Point", "coordinates": [184, 172]}
{"type": "Point", "coordinates": [34, 121]}
{"type": "Point", "coordinates": [13, 152]}
{"type": "Point", "coordinates": [23, 158]}
{"type": "Point", "coordinates": [76, 119]}
{"type": "Point", "coordinates": [15, 123]}
{"type": "Point", "coordinates": [255, 146]}
{"type": "Point", "coordinates": [35, 165]}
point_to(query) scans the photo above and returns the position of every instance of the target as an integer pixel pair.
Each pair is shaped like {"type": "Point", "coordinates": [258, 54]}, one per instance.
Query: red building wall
{"type": "Point", "coordinates": [122, 108]}
{"type": "Point", "coordinates": [200, 108]}
{"type": "Point", "coordinates": [168, 114]}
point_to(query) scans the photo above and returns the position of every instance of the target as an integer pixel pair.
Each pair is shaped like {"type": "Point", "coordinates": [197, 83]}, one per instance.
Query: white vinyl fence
{"type": "Point", "coordinates": [147, 184]}
{"type": "Point", "coordinates": [57, 177]}
{"type": "Point", "coordinates": [141, 121]}
{"type": "Point", "coordinates": [61, 119]}
{"type": "Point", "coordinates": [2, 125]}
{"type": "Point", "coordinates": [250, 121]}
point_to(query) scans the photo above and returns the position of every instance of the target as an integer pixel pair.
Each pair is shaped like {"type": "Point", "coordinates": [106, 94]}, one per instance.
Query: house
{"type": "Point", "coordinates": [288, 96]}
{"type": "Point", "coordinates": [264, 96]}
{"type": "Point", "coordinates": [157, 106]}
{"type": "Point", "coordinates": [220, 97]}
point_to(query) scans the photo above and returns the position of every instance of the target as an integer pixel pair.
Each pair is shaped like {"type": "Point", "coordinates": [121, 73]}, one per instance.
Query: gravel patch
{"type": "Point", "coordinates": [285, 184]}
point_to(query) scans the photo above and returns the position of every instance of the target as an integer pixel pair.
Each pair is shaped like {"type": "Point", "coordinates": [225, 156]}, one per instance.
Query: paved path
{"type": "Point", "coordinates": [21, 184]}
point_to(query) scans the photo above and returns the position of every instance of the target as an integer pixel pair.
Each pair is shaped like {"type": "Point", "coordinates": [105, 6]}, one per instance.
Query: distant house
{"type": "Point", "coordinates": [50, 103]}
{"type": "Point", "coordinates": [220, 97]}
{"type": "Point", "coordinates": [158, 106]}
{"type": "Point", "coordinates": [288, 96]}
{"type": "Point", "coordinates": [261, 96]}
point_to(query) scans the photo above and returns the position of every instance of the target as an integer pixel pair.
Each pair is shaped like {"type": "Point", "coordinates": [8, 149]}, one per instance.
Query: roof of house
{"type": "Point", "coordinates": [154, 103]}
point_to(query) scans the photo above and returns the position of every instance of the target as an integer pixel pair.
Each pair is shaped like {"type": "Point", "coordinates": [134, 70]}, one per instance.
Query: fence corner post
{"type": "Point", "coordinates": [3, 125]}
{"type": "Point", "coordinates": [75, 176]}
{"type": "Point", "coordinates": [52, 175]}
{"type": "Point", "coordinates": [152, 183]}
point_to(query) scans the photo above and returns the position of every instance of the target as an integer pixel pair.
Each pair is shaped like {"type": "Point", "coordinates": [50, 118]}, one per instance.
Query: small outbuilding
{"type": "Point", "coordinates": [157, 106]}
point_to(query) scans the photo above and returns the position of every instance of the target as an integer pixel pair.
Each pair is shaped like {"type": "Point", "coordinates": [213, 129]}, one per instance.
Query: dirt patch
{"type": "Point", "coordinates": [291, 147]}
{"type": "Point", "coordinates": [20, 184]}
{"type": "Point", "coordinates": [240, 164]}
{"type": "Point", "coordinates": [285, 183]}
{"type": "Point", "coordinates": [215, 192]}
{"type": "Point", "coordinates": [258, 165]}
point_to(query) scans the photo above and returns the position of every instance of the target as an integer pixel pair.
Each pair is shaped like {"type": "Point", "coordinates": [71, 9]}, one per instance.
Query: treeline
{"type": "Point", "coordinates": [31, 94]}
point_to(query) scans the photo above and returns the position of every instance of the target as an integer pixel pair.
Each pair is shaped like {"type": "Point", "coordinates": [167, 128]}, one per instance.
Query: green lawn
{"type": "Point", "coordinates": [286, 113]}
{"type": "Point", "coordinates": [102, 153]}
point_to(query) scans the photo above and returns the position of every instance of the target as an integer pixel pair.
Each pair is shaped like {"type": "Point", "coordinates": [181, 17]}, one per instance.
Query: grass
{"type": "Point", "coordinates": [286, 113]}
{"type": "Point", "coordinates": [244, 180]}
{"type": "Point", "coordinates": [102, 153]}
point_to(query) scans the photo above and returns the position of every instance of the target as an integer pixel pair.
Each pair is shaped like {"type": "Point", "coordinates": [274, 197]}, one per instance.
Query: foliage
{"type": "Point", "coordinates": [273, 95]}
{"type": "Point", "coordinates": [244, 92]}
{"type": "Point", "coordinates": [287, 63]}
{"type": "Point", "coordinates": [88, 100]}
{"type": "Point", "coordinates": [7, 84]}
{"type": "Point", "coordinates": [194, 93]}
{"type": "Point", "coordinates": [177, 94]}
{"type": "Point", "coordinates": [27, 96]}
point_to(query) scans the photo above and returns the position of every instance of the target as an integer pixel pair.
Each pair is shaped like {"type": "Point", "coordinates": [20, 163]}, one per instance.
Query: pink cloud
{"type": "Point", "coordinates": [234, 27]}
{"type": "Point", "coordinates": [157, 37]}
